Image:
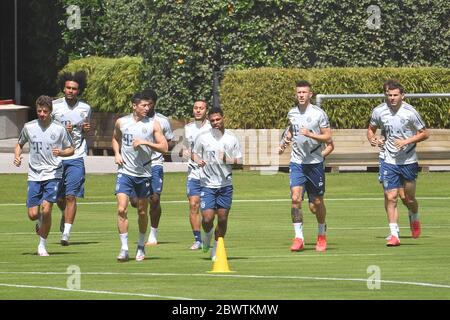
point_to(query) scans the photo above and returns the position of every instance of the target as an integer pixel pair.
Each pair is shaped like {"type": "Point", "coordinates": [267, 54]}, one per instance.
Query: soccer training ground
{"type": "Point", "coordinates": [356, 265]}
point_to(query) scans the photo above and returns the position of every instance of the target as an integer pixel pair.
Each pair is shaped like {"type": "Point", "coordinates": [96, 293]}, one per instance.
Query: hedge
{"type": "Point", "coordinates": [261, 98]}
{"type": "Point", "coordinates": [184, 42]}
{"type": "Point", "coordinates": [111, 82]}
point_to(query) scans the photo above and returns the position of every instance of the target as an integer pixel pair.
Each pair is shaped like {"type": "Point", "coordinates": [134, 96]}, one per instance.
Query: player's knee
{"type": "Point", "coordinates": [122, 211]}
{"type": "Point", "coordinates": [33, 214]}
{"type": "Point", "coordinates": [296, 199]}
{"type": "Point", "coordinates": [207, 220]}
{"type": "Point", "coordinates": [142, 213]}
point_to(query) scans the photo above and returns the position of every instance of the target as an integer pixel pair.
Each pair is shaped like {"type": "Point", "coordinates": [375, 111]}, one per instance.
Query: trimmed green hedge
{"type": "Point", "coordinates": [261, 98]}
{"type": "Point", "coordinates": [183, 42]}
{"type": "Point", "coordinates": [111, 82]}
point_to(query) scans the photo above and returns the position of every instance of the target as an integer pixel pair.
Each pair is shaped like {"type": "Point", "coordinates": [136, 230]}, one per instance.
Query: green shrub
{"type": "Point", "coordinates": [184, 42]}
{"type": "Point", "coordinates": [261, 98]}
{"type": "Point", "coordinates": [111, 82]}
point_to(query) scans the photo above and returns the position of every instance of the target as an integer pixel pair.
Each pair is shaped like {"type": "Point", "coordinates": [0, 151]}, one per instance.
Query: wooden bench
{"type": "Point", "coordinates": [351, 149]}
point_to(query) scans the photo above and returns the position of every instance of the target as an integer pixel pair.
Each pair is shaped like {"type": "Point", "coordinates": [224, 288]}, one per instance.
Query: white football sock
{"type": "Point", "coordinates": [124, 241]}
{"type": "Point", "coordinates": [152, 237]}
{"type": "Point", "coordinates": [298, 228]}
{"type": "Point", "coordinates": [394, 229]}
{"type": "Point", "coordinates": [42, 242]}
{"type": "Point", "coordinates": [67, 228]}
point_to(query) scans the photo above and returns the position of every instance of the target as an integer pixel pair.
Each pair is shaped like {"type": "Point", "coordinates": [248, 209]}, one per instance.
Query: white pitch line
{"type": "Point", "coordinates": [421, 284]}
{"type": "Point", "coordinates": [237, 200]}
{"type": "Point", "coordinates": [115, 232]}
{"type": "Point", "coordinates": [94, 291]}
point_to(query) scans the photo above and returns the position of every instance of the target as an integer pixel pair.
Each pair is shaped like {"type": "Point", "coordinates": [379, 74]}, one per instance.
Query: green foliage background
{"type": "Point", "coordinates": [183, 42]}
{"type": "Point", "coordinates": [111, 82]}
{"type": "Point", "coordinates": [261, 98]}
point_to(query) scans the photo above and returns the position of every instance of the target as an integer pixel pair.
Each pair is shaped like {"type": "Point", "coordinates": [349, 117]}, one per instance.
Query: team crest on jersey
{"type": "Point", "coordinates": [53, 136]}
{"type": "Point", "coordinates": [144, 130]}
{"type": "Point", "coordinates": [83, 115]}
{"type": "Point", "coordinates": [308, 119]}
{"type": "Point", "coordinates": [402, 121]}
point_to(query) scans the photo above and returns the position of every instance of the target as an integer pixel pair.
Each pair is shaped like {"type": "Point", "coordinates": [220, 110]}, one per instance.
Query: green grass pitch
{"type": "Point", "coordinates": [257, 245]}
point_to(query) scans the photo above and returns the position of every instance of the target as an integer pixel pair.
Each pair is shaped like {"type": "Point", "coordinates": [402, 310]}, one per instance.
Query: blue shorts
{"type": "Point", "coordinates": [380, 170]}
{"type": "Point", "coordinates": [193, 187]}
{"type": "Point", "coordinates": [395, 175]}
{"type": "Point", "coordinates": [215, 198]}
{"type": "Point", "coordinates": [39, 191]}
{"type": "Point", "coordinates": [73, 178]}
{"type": "Point", "coordinates": [310, 176]}
{"type": "Point", "coordinates": [133, 186]}
{"type": "Point", "coordinates": [157, 179]}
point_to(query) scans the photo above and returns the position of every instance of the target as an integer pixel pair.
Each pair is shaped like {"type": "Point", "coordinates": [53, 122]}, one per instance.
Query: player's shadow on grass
{"type": "Point", "coordinates": [51, 253]}
{"type": "Point", "coordinates": [80, 243]}
{"type": "Point", "coordinates": [228, 258]}
{"type": "Point", "coordinates": [405, 237]}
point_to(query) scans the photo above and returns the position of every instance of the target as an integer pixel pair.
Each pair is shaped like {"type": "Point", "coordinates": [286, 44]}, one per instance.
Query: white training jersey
{"type": "Point", "coordinates": [137, 161]}
{"type": "Point", "coordinates": [210, 146]}
{"type": "Point", "coordinates": [304, 149]}
{"type": "Point", "coordinates": [402, 124]}
{"type": "Point", "coordinates": [43, 165]}
{"type": "Point", "coordinates": [191, 132]}
{"type": "Point", "coordinates": [158, 158]}
{"type": "Point", "coordinates": [79, 113]}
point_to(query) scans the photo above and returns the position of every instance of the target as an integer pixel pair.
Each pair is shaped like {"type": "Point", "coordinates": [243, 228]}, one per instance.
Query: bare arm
{"type": "Point", "coordinates": [374, 140]}
{"type": "Point", "coordinates": [286, 139]}
{"type": "Point", "coordinates": [161, 143]}
{"type": "Point", "coordinates": [18, 154]}
{"type": "Point", "coordinates": [67, 152]}
{"type": "Point", "coordinates": [116, 138]}
{"type": "Point", "coordinates": [328, 149]}
{"type": "Point", "coordinates": [324, 136]}
{"type": "Point", "coordinates": [421, 135]}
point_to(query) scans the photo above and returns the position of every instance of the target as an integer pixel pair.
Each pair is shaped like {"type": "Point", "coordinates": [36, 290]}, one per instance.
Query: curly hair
{"type": "Point", "coordinates": [78, 77]}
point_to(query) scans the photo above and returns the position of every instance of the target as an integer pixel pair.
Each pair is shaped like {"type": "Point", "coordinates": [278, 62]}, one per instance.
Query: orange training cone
{"type": "Point", "coordinates": [221, 262]}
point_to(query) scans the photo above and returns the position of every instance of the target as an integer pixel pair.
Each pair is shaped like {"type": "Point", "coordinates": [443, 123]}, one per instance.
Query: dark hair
{"type": "Point", "coordinates": [201, 100]}
{"type": "Point", "coordinates": [78, 77]}
{"type": "Point", "coordinates": [215, 110]}
{"type": "Point", "coordinates": [388, 83]}
{"type": "Point", "coordinates": [149, 94]}
{"type": "Point", "coordinates": [137, 97]}
{"type": "Point", "coordinates": [396, 85]}
{"type": "Point", "coordinates": [302, 83]}
{"type": "Point", "coordinates": [44, 101]}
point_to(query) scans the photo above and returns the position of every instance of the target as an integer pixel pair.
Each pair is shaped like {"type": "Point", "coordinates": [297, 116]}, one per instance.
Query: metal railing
{"type": "Point", "coordinates": [321, 97]}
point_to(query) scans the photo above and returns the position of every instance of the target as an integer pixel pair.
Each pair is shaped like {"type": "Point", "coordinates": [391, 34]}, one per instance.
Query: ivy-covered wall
{"type": "Point", "coordinates": [183, 42]}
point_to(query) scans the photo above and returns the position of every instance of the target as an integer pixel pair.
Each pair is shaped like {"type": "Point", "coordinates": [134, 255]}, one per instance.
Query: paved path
{"type": "Point", "coordinates": [94, 164]}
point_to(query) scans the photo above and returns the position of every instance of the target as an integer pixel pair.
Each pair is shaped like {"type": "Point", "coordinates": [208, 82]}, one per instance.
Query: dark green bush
{"type": "Point", "coordinates": [183, 41]}
{"type": "Point", "coordinates": [261, 98]}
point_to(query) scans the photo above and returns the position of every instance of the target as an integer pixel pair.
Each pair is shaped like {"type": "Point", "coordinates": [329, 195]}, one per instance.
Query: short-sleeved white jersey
{"type": "Point", "coordinates": [43, 165]}
{"type": "Point", "coordinates": [209, 146]}
{"type": "Point", "coordinates": [191, 132]}
{"type": "Point", "coordinates": [79, 113]}
{"type": "Point", "coordinates": [307, 150]}
{"type": "Point", "coordinates": [137, 161]}
{"type": "Point", "coordinates": [402, 124]}
{"type": "Point", "coordinates": [158, 158]}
